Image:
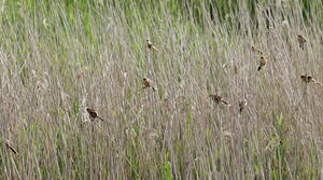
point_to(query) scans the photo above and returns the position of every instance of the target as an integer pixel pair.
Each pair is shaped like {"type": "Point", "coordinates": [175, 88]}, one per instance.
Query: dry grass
{"type": "Point", "coordinates": [53, 66]}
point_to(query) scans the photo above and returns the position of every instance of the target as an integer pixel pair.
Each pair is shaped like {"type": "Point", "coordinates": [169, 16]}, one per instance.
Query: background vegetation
{"type": "Point", "coordinates": [59, 57]}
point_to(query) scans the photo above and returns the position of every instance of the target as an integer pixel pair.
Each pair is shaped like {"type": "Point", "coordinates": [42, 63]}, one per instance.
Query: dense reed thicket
{"type": "Point", "coordinates": [58, 58]}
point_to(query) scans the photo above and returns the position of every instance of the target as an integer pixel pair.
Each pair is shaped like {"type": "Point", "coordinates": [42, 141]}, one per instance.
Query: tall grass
{"type": "Point", "coordinates": [59, 57]}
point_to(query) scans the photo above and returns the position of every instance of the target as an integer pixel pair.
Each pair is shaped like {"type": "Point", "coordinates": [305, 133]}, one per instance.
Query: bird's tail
{"type": "Point", "coordinates": [302, 46]}
{"type": "Point", "coordinates": [259, 68]}
{"type": "Point", "coordinates": [11, 148]}
{"type": "Point", "coordinates": [154, 48]}
{"type": "Point", "coordinates": [225, 102]}
{"type": "Point", "coordinates": [100, 118]}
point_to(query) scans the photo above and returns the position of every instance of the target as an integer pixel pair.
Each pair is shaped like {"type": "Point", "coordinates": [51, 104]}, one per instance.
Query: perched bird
{"type": "Point", "coordinates": [242, 105]}
{"type": "Point", "coordinates": [308, 78]}
{"type": "Point", "coordinates": [150, 45]}
{"type": "Point", "coordinates": [218, 99]}
{"type": "Point", "coordinates": [148, 84]}
{"type": "Point", "coordinates": [262, 62]}
{"type": "Point", "coordinates": [8, 145]}
{"type": "Point", "coordinates": [93, 114]}
{"type": "Point", "coordinates": [80, 74]}
{"type": "Point", "coordinates": [301, 41]}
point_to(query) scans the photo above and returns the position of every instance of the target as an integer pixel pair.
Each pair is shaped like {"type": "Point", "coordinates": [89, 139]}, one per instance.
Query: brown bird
{"type": "Point", "coordinates": [308, 78]}
{"type": "Point", "coordinates": [242, 105]}
{"type": "Point", "coordinates": [81, 73]}
{"type": "Point", "coordinates": [151, 46]}
{"type": "Point", "coordinates": [93, 114]}
{"type": "Point", "coordinates": [148, 84]}
{"type": "Point", "coordinates": [8, 145]}
{"type": "Point", "coordinates": [218, 99]}
{"type": "Point", "coordinates": [262, 62]}
{"type": "Point", "coordinates": [301, 41]}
